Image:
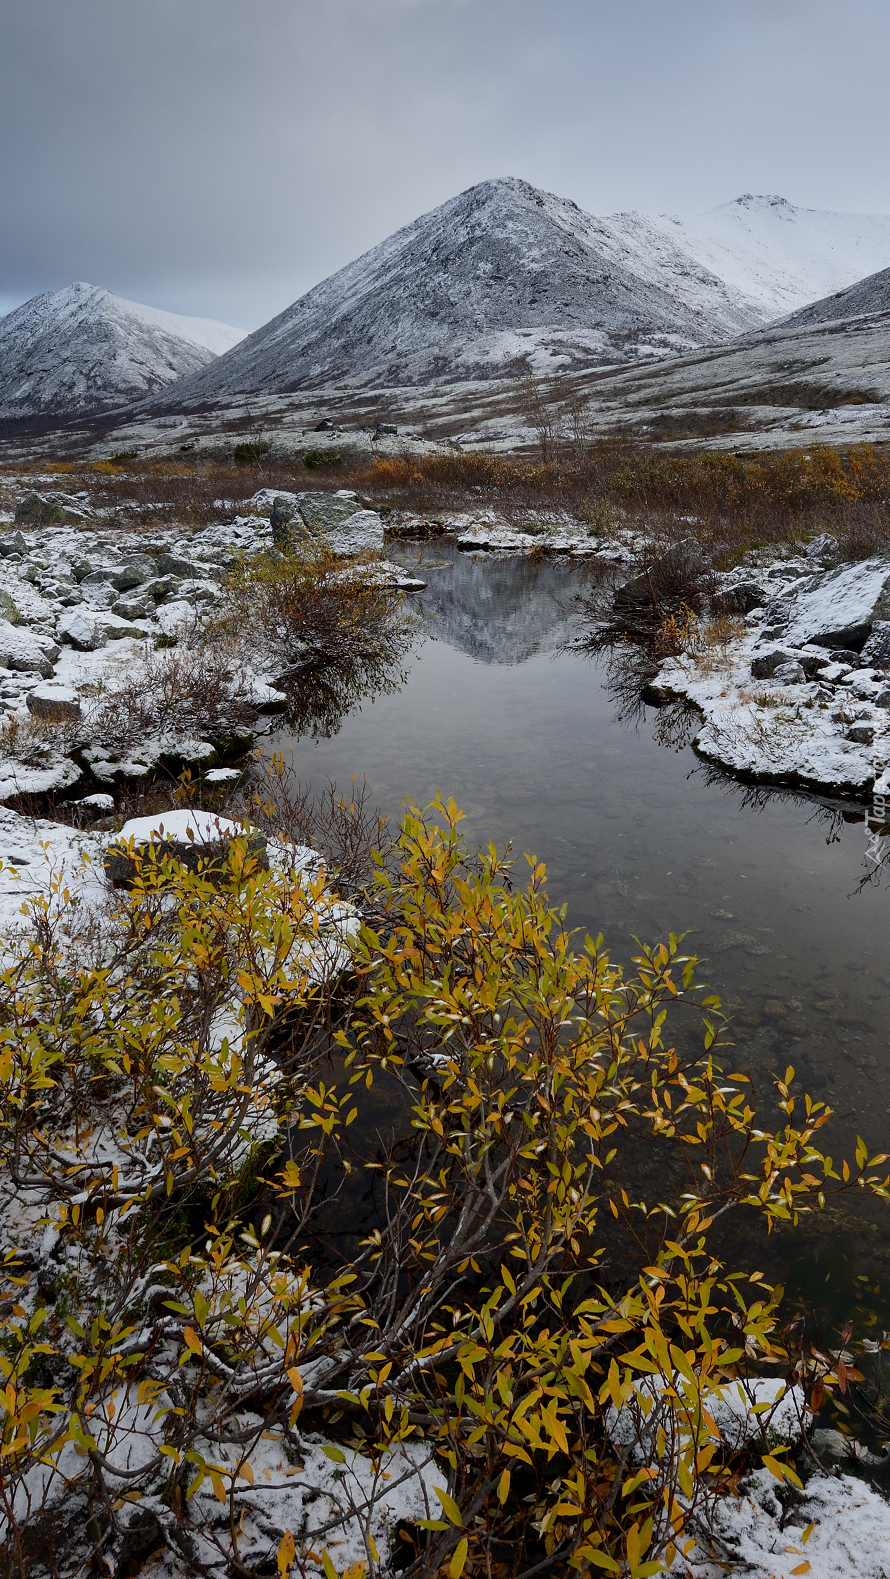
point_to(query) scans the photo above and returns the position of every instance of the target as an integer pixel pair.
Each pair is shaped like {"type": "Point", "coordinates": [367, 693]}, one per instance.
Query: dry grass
{"type": "Point", "coordinates": [728, 502]}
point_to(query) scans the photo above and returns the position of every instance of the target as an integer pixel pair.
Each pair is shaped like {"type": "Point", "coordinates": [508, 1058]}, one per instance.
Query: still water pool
{"type": "Point", "coordinates": [497, 709]}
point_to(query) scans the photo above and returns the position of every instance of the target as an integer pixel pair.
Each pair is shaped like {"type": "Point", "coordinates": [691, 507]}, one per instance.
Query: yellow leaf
{"type": "Point", "coordinates": [246, 1473]}
{"type": "Point", "coordinates": [327, 1565]}
{"type": "Point", "coordinates": [286, 1553]}
{"type": "Point", "coordinates": [802, 1568]}
{"type": "Point", "coordinates": [192, 1339]}
{"type": "Point", "coordinates": [458, 1561]}
{"type": "Point", "coordinates": [449, 1507]}
{"type": "Point", "coordinates": [504, 1486]}
{"type": "Point", "coordinates": [808, 1531]}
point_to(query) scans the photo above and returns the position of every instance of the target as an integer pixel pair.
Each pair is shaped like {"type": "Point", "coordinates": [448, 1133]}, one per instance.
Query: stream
{"type": "Point", "coordinates": [776, 893]}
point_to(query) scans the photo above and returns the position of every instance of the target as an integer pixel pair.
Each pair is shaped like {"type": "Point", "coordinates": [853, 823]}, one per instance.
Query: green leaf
{"type": "Point", "coordinates": [333, 1453]}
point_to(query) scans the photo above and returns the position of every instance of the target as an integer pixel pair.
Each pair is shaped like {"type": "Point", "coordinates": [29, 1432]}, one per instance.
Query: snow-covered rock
{"type": "Point", "coordinates": [838, 608]}
{"type": "Point", "coordinates": [55, 702]}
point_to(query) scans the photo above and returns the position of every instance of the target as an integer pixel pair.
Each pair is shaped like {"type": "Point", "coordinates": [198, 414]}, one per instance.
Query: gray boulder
{"type": "Point", "coordinates": [13, 544]}
{"type": "Point", "coordinates": [669, 575]}
{"type": "Point", "coordinates": [789, 674]}
{"type": "Point", "coordinates": [172, 565]}
{"type": "Point", "coordinates": [82, 629]}
{"type": "Point", "coordinates": [822, 547]}
{"type": "Point", "coordinates": [765, 664]}
{"type": "Point", "coordinates": [8, 609]}
{"type": "Point", "coordinates": [837, 608]}
{"type": "Point", "coordinates": [25, 652]}
{"type": "Point", "coordinates": [740, 599]}
{"type": "Point", "coordinates": [876, 652]}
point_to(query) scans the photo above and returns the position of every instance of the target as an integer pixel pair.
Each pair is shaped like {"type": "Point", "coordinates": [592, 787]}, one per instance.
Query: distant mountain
{"type": "Point", "coordinates": [871, 295]}
{"type": "Point", "coordinates": [81, 350]}
{"type": "Point", "coordinates": [780, 257]}
{"type": "Point", "coordinates": [501, 280]}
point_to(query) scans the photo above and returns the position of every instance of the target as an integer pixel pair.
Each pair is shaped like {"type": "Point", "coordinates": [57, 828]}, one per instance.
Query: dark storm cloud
{"type": "Point", "coordinates": [218, 157]}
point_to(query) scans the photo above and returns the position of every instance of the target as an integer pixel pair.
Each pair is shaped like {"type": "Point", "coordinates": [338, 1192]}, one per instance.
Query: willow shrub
{"type": "Point", "coordinates": [189, 1078]}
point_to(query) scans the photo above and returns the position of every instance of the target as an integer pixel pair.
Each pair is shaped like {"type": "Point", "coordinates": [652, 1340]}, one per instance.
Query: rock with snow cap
{"type": "Point", "coordinates": [25, 650]}
{"type": "Point", "coordinates": [839, 607]}
{"type": "Point", "coordinates": [198, 839]}
{"type": "Point", "coordinates": [82, 629]}
{"type": "Point", "coordinates": [54, 702]}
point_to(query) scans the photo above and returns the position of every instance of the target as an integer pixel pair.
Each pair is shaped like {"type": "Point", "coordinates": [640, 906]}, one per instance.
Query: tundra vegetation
{"type": "Point", "coordinates": [729, 503]}
{"type": "Point", "coordinates": [298, 1183]}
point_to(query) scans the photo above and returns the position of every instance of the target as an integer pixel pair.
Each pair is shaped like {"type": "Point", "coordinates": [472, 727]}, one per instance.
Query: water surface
{"type": "Point", "coordinates": [641, 839]}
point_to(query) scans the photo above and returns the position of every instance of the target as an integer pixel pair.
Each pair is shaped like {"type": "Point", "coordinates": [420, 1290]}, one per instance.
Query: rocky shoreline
{"type": "Point", "coordinates": [794, 687]}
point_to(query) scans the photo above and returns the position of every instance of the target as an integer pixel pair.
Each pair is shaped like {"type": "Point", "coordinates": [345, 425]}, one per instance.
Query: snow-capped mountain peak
{"type": "Point", "coordinates": [80, 350]}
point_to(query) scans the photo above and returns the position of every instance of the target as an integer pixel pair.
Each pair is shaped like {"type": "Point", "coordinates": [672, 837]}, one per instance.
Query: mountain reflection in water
{"type": "Point", "coordinates": [543, 747]}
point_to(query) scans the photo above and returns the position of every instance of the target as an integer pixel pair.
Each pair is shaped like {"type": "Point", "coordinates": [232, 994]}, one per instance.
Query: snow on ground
{"type": "Point", "coordinates": [780, 706]}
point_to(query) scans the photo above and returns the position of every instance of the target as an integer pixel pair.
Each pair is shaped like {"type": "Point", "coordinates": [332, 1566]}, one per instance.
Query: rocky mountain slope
{"type": "Point", "coordinates": [871, 295]}
{"type": "Point", "coordinates": [500, 280]}
{"type": "Point", "coordinates": [81, 350]}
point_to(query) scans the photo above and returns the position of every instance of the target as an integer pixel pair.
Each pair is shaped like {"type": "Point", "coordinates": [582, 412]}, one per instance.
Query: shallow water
{"type": "Point", "coordinates": [641, 839]}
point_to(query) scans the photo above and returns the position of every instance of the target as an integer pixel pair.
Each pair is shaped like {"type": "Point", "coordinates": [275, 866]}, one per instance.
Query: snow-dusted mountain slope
{"type": "Point", "coordinates": [501, 279]}
{"type": "Point", "coordinates": [79, 350]}
{"type": "Point", "coordinates": [871, 295]}
{"type": "Point", "coordinates": [214, 336]}
{"type": "Point", "coordinates": [779, 257]}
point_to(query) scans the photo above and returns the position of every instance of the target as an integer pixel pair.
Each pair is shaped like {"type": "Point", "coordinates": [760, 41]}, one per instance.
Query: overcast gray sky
{"type": "Point", "coordinates": [219, 157]}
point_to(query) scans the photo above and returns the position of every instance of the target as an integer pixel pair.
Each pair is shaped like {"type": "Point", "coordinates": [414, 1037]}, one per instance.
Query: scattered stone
{"type": "Point", "coordinates": [56, 703]}
{"type": "Point", "coordinates": [822, 547]}
{"type": "Point", "coordinates": [99, 801]}
{"type": "Point", "coordinates": [876, 651]}
{"type": "Point", "coordinates": [137, 607]}
{"type": "Point", "coordinates": [789, 674]}
{"type": "Point", "coordinates": [862, 734]}
{"type": "Point", "coordinates": [385, 429]}
{"type": "Point", "coordinates": [764, 666]}
{"type": "Point", "coordinates": [173, 565]}
{"type": "Point", "coordinates": [82, 628]}
{"type": "Point", "coordinates": [14, 544]}
{"type": "Point", "coordinates": [740, 599]}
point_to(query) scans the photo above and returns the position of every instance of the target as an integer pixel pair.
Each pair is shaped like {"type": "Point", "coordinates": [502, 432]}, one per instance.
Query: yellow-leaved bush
{"type": "Point", "coordinates": [428, 1202]}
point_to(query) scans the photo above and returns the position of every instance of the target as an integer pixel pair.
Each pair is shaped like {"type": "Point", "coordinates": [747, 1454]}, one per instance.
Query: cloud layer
{"type": "Point", "coordinates": [218, 158]}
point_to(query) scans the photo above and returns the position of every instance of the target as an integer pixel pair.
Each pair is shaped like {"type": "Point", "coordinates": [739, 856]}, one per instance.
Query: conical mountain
{"type": "Point", "coordinates": [503, 279]}
{"type": "Point", "coordinates": [81, 350]}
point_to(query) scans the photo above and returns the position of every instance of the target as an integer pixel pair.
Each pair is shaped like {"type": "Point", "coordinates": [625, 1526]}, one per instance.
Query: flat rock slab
{"type": "Point", "coordinates": [56, 703]}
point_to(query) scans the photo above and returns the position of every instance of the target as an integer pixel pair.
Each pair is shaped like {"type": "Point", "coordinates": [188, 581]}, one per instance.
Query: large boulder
{"type": "Point", "coordinates": [338, 519]}
{"type": "Point", "coordinates": [196, 838]}
{"type": "Point", "coordinates": [674, 572]}
{"type": "Point", "coordinates": [837, 608]}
